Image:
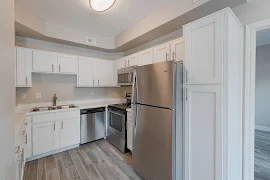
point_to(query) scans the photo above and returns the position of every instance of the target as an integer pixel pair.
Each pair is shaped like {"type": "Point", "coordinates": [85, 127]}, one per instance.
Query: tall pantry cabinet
{"type": "Point", "coordinates": [213, 98]}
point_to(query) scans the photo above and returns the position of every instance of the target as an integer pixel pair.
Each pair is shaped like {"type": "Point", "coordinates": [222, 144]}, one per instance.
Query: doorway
{"type": "Point", "coordinates": [256, 147]}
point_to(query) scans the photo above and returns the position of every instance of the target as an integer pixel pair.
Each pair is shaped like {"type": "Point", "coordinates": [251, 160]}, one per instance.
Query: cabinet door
{"type": "Point", "coordinates": [204, 50]}
{"type": "Point", "coordinates": [178, 50]}
{"type": "Point", "coordinates": [24, 59]}
{"type": "Point", "coordinates": [203, 140]}
{"type": "Point", "coordinates": [131, 60]}
{"type": "Point", "coordinates": [45, 137]}
{"type": "Point", "coordinates": [161, 53]}
{"type": "Point", "coordinates": [129, 135]}
{"type": "Point", "coordinates": [86, 72]}
{"type": "Point", "coordinates": [104, 75]}
{"type": "Point", "coordinates": [120, 63]}
{"type": "Point", "coordinates": [69, 132]}
{"type": "Point", "coordinates": [44, 61]}
{"type": "Point", "coordinates": [67, 64]}
{"type": "Point", "coordinates": [145, 57]}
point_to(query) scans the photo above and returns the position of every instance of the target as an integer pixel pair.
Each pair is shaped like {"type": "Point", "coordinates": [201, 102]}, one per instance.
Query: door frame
{"type": "Point", "coordinates": [249, 97]}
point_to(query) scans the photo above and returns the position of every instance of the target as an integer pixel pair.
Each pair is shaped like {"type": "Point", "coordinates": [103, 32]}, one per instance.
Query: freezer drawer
{"type": "Point", "coordinates": [152, 142]}
{"type": "Point", "coordinates": [92, 125]}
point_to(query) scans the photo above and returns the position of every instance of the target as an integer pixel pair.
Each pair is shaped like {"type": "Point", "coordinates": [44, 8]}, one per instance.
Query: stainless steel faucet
{"type": "Point", "coordinates": [54, 100]}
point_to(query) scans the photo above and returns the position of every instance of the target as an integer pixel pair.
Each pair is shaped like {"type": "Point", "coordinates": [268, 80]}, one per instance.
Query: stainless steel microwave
{"type": "Point", "coordinates": [125, 76]}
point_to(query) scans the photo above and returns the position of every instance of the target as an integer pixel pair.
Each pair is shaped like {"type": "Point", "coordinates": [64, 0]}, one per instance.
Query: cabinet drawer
{"type": "Point", "coordinates": [56, 116]}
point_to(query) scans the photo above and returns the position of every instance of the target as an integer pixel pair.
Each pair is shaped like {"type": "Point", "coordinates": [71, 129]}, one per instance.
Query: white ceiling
{"type": "Point", "coordinates": [263, 37]}
{"type": "Point", "coordinates": [77, 14]}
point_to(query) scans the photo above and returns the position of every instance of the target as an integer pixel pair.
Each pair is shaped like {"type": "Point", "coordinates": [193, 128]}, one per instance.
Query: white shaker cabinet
{"type": "Point", "coordinates": [45, 137]}
{"type": "Point", "coordinates": [203, 133]}
{"type": "Point", "coordinates": [161, 53]}
{"type": "Point", "coordinates": [131, 60]}
{"type": "Point", "coordinates": [204, 52]}
{"type": "Point", "coordinates": [24, 59]}
{"type": "Point", "coordinates": [213, 97]}
{"type": "Point", "coordinates": [67, 64]}
{"type": "Point", "coordinates": [44, 62]}
{"type": "Point", "coordinates": [69, 132]}
{"type": "Point", "coordinates": [145, 57]}
{"type": "Point", "coordinates": [105, 73]}
{"type": "Point", "coordinates": [86, 72]}
{"type": "Point", "coordinates": [177, 49]}
{"type": "Point", "coordinates": [120, 63]}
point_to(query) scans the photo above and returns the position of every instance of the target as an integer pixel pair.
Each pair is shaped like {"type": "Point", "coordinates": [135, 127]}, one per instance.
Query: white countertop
{"type": "Point", "coordinates": [24, 110]}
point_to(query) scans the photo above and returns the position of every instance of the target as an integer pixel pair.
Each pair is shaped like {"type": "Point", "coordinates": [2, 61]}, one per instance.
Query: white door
{"type": "Point", "coordinates": [161, 53]}
{"type": "Point", "coordinates": [86, 72]}
{"type": "Point", "coordinates": [45, 137]}
{"type": "Point", "coordinates": [129, 135]}
{"type": "Point", "coordinates": [24, 59]}
{"type": "Point", "coordinates": [203, 142]}
{"type": "Point", "coordinates": [44, 61]}
{"type": "Point", "coordinates": [145, 57]}
{"type": "Point", "coordinates": [67, 64]}
{"type": "Point", "coordinates": [104, 75]}
{"type": "Point", "coordinates": [204, 50]}
{"type": "Point", "coordinates": [131, 60]}
{"type": "Point", "coordinates": [69, 132]}
{"type": "Point", "coordinates": [178, 50]}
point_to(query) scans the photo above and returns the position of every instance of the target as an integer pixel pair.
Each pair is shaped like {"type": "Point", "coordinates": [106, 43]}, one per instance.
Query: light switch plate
{"type": "Point", "coordinates": [38, 95]}
{"type": "Point", "coordinates": [23, 95]}
{"type": "Point", "coordinates": [92, 93]}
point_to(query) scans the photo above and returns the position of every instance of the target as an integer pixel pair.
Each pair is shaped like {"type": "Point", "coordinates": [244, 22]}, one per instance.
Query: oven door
{"type": "Point", "coordinates": [117, 123]}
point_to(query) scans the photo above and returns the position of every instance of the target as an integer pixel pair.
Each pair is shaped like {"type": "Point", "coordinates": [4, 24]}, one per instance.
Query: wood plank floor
{"type": "Point", "coordinates": [94, 161]}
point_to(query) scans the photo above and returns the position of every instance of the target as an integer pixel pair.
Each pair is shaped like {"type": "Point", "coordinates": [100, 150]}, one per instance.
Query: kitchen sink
{"type": "Point", "coordinates": [51, 108]}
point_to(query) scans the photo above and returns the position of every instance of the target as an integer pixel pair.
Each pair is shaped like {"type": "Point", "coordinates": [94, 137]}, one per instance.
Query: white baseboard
{"type": "Point", "coordinates": [51, 152]}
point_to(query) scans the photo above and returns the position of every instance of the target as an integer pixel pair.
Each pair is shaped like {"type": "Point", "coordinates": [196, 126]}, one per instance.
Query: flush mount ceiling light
{"type": "Point", "coordinates": [101, 5]}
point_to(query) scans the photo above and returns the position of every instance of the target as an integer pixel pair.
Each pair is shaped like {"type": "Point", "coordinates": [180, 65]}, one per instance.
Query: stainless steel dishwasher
{"type": "Point", "coordinates": [92, 124]}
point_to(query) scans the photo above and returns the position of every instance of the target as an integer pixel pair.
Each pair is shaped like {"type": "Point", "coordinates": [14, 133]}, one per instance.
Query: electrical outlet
{"type": "Point", "coordinates": [92, 93]}
{"type": "Point", "coordinates": [38, 95]}
{"type": "Point", "coordinates": [23, 95]}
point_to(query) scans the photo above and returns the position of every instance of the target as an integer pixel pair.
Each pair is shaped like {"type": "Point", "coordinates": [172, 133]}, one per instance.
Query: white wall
{"type": "Point", "coordinates": [253, 11]}
{"type": "Point", "coordinates": [7, 90]}
{"type": "Point", "coordinates": [262, 107]}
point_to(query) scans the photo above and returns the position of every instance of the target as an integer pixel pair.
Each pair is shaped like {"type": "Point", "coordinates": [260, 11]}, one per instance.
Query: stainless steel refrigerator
{"type": "Point", "coordinates": [157, 113]}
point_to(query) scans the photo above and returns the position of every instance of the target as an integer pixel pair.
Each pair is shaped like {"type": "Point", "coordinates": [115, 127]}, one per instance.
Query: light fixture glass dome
{"type": "Point", "coordinates": [101, 5]}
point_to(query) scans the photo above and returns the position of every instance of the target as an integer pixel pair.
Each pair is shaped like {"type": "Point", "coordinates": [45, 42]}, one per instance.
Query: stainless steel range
{"type": "Point", "coordinates": [117, 130]}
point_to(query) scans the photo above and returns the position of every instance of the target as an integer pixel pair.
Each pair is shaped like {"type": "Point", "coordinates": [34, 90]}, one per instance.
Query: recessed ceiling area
{"type": "Point", "coordinates": [77, 14]}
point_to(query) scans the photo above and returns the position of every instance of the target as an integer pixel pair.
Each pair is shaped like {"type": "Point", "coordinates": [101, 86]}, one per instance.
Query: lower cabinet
{"type": "Point", "coordinates": [69, 132]}
{"type": "Point", "coordinates": [45, 137]}
{"type": "Point", "coordinates": [129, 135]}
{"type": "Point", "coordinates": [54, 131]}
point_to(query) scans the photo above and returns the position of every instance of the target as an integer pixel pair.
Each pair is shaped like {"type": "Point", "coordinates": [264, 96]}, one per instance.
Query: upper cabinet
{"type": "Point", "coordinates": [204, 42]}
{"type": "Point", "coordinates": [131, 60]}
{"type": "Point", "coordinates": [177, 50]}
{"type": "Point", "coordinates": [24, 59]}
{"type": "Point", "coordinates": [161, 53]}
{"type": "Point", "coordinates": [45, 62]}
{"type": "Point", "coordinates": [86, 72]}
{"type": "Point", "coordinates": [145, 57]}
{"type": "Point", "coordinates": [67, 64]}
{"type": "Point", "coordinates": [105, 73]}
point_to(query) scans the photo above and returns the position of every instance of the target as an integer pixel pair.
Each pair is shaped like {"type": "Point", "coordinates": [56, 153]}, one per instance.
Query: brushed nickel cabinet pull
{"type": "Point", "coordinates": [62, 125]}
{"type": "Point", "coordinates": [52, 68]}
{"type": "Point", "coordinates": [174, 56]}
{"type": "Point", "coordinates": [186, 94]}
{"type": "Point", "coordinates": [98, 82]}
{"type": "Point", "coordinates": [25, 138]}
{"type": "Point", "coordinates": [93, 82]}
{"type": "Point", "coordinates": [54, 126]}
{"type": "Point", "coordinates": [186, 76]}
{"type": "Point", "coordinates": [59, 68]}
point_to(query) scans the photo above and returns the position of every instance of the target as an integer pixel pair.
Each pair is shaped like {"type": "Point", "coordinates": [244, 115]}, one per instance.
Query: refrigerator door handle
{"type": "Point", "coordinates": [134, 103]}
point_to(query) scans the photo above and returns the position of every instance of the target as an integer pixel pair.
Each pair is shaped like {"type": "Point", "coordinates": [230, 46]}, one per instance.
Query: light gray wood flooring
{"type": "Point", "coordinates": [94, 161]}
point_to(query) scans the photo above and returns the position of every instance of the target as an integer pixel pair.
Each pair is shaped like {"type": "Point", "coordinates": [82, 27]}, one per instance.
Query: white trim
{"type": "Point", "coordinates": [51, 152]}
{"type": "Point", "coordinates": [249, 97]}
{"type": "Point", "coordinates": [262, 128]}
